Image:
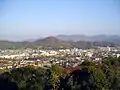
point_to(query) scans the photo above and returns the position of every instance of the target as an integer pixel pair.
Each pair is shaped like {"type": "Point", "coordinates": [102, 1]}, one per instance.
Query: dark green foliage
{"type": "Point", "coordinates": [111, 61]}
{"type": "Point", "coordinates": [27, 78]}
{"type": "Point", "coordinates": [92, 76]}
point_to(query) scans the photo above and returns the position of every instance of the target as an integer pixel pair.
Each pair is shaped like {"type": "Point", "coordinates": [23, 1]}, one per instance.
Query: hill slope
{"type": "Point", "coordinates": [95, 38]}
{"type": "Point", "coordinates": [54, 43]}
{"type": "Point", "coordinates": [49, 42]}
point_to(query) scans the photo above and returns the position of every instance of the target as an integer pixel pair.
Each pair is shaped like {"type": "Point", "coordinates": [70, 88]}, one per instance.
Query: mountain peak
{"type": "Point", "coordinates": [51, 38]}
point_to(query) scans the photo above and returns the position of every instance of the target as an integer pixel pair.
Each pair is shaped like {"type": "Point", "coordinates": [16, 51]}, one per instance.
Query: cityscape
{"type": "Point", "coordinates": [59, 44]}
{"type": "Point", "coordinates": [16, 58]}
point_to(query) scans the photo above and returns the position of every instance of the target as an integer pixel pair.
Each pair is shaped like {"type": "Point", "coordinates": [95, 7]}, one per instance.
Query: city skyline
{"type": "Point", "coordinates": [22, 20]}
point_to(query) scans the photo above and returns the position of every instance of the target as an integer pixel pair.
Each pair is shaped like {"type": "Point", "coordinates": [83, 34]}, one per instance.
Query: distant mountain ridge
{"type": "Point", "coordinates": [98, 38]}
{"type": "Point", "coordinates": [65, 42]}
{"type": "Point", "coordinates": [45, 43]}
{"type": "Point", "coordinates": [52, 42]}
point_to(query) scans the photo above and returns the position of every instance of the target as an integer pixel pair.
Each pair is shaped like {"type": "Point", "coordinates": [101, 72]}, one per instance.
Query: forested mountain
{"type": "Point", "coordinates": [95, 38]}
{"type": "Point", "coordinates": [53, 42]}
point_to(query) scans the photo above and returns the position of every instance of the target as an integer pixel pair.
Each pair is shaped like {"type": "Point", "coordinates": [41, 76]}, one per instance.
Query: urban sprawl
{"type": "Point", "coordinates": [15, 58]}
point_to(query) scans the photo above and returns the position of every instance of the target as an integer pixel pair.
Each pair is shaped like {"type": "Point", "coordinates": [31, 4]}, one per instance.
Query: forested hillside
{"type": "Point", "coordinates": [87, 76]}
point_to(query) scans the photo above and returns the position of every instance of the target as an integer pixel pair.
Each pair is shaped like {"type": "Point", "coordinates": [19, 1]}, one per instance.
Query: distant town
{"type": "Point", "coordinates": [16, 58]}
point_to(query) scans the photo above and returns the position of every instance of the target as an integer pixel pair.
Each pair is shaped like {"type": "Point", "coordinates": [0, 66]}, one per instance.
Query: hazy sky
{"type": "Point", "coordinates": [26, 19]}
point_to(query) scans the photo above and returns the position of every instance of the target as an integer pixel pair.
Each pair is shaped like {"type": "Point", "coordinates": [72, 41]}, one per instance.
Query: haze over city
{"type": "Point", "coordinates": [31, 19]}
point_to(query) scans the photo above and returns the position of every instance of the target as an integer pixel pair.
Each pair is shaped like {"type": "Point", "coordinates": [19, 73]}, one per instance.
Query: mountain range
{"type": "Point", "coordinates": [98, 38]}
{"type": "Point", "coordinates": [65, 41]}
